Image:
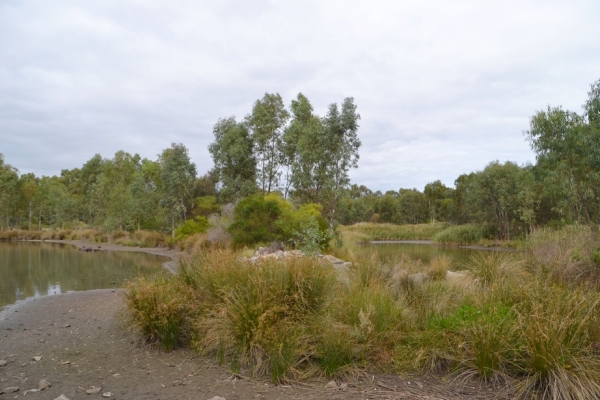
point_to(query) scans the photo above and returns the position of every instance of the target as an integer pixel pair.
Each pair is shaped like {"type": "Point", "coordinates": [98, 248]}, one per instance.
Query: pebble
{"type": "Point", "coordinates": [93, 390]}
{"type": "Point", "coordinates": [331, 385]}
{"type": "Point", "coordinates": [2, 363]}
{"type": "Point", "coordinates": [10, 389]}
{"type": "Point", "coordinates": [37, 358]}
{"type": "Point", "coordinates": [44, 384]}
{"type": "Point", "coordinates": [218, 398]}
{"type": "Point", "coordinates": [62, 397]}
{"type": "Point", "coordinates": [107, 394]}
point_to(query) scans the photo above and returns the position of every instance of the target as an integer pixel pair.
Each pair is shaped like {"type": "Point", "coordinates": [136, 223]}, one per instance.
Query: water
{"type": "Point", "coordinates": [38, 269]}
{"type": "Point", "coordinates": [424, 252]}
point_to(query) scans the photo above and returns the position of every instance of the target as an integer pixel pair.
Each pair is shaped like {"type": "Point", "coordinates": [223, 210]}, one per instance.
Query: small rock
{"type": "Point", "coordinates": [93, 390]}
{"type": "Point", "coordinates": [218, 398]}
{"type": "Point", "coordinates": [344, 386]}
{"type": "Point", "coordinates": [331, 385]}
{"type": "Point", "coordinates": [11, 389]}
{"type": "Point", "coordinates": [44, 384]}
{"type": "Point", "coordinates": [2, 363]}
{"type": "Point", "coordinates": [67, 325]}
{"type": "Point", "coordinates": [107, 394]}
{"type": "Point", "coordinates": [37, 358]}
{"type": "Point", "coordinates": [42, 340]}
{"type": "Point", "coordinates": [62, 397]}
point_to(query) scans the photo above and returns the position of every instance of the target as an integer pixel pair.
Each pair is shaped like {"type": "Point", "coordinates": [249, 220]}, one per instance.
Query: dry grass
{"type": "Point", "coordinates": [504, 322]}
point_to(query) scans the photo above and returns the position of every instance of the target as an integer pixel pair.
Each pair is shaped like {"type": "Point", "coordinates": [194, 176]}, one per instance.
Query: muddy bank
{"type": "Point", "coordinates": [83, 343]}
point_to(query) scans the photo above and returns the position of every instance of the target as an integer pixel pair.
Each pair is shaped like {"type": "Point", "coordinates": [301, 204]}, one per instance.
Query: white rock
{"type": "Point", "coordinates": [44, 384]}
{"type": "Point", "coordinates": [93, 390]}
{"type": "Point", "coordinates": [37, 358]}
{"type": "Point", "coordinates": [107, 394]}
{"type": "Point", "coordinates": [331, 385]}
{"type": "Point", "coordinates": [2, 363]}
{"type": "Point", "coordinates": [218, 398]}
{"type": "Point", "coordinates": [62, 397]}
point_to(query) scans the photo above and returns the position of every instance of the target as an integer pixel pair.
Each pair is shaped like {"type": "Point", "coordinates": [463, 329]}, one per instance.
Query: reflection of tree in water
{"type": "Point", "coordinates": [37, 269]}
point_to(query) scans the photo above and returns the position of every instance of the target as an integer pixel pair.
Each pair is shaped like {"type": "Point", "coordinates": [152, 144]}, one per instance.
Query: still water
{"type": "Point", "coordinates": [424, 252]}
{"type": "Point", "coordinates": [38, 269]}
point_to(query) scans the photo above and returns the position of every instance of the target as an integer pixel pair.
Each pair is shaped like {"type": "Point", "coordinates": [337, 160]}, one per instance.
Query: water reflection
{"type": "Point", "coordinates": [38, 269]}
{"type": "Point", "coordinates": [424, 252]}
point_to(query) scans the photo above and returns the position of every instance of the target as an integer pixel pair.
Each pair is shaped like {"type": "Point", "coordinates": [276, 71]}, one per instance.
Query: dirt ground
{"type": "Point", "coordinates": [83, 344]}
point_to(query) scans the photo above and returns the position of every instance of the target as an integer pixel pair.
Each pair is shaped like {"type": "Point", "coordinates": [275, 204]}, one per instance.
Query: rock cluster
{"type": "Point", "coordinates": [276, 251]}
{"type": "Point", "coordinates": [87, 249]}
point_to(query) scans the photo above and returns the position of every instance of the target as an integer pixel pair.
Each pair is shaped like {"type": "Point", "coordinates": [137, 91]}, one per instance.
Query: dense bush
{"type": "Point", "coordinates": [271, 218]}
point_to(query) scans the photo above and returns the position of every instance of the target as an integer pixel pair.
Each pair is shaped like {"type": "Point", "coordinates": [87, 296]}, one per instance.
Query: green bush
{"type": "Point", "coordinates": [254, 222]}
{"type": "Point", "coordinates": [271, 218]}
{"type": "Point", "coordinates": [191, 227]}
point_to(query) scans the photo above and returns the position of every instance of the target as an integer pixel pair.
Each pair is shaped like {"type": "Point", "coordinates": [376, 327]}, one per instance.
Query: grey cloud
{"type": "Point", "coordinates": [442, 88]}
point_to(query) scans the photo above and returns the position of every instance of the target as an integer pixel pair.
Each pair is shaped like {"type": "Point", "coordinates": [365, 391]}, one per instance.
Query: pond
{"type": "Point", "coordinates": [422, 251]}
{"type": "Point", "coordinates": [38, 269]}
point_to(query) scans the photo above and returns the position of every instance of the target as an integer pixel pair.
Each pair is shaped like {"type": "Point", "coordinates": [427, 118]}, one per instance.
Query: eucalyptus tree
{"type": "Point", "coordinates": [28, 190]}
{"type": "Point", "coordinates": [178, 174]}
{"type": "Point", "coordinates": [233, 156]}
{"type": "Point", "coordinates": [342, 144]}
{"type": "Point", "coordinates": [9, 192]}
{"type": "Point", "coordinates": [567, 147]}
{"type": "Point", "coordinates": [267, 122]}
{"type": "Point", "coordinates": [306, 152]}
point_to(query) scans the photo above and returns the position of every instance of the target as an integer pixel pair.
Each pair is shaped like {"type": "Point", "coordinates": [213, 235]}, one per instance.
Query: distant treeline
{"type": "Point", "coordinates": [306, 158]}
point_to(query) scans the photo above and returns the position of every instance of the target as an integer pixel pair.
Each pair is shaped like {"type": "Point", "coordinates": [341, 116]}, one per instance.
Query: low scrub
{"type": "Point", "coordinates": [19, 234]}
{"type": "Point", "coordinates": [500, 321]}
{"type": "Point", "coordinates": [458, 235]}
{"type": "Point", "coordinates": [370, 231]}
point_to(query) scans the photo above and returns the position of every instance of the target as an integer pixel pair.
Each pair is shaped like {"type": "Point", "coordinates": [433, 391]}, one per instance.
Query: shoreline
{"type": "Point", "coordinates": [173, 254]}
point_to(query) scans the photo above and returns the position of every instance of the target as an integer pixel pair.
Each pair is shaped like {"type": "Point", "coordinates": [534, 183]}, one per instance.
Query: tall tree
{"type": "Point", "coordinates": [9, 192]}
{"type": "Point", "coordinates": [267, 122]}
{"type": "Point", "coordinates": [341, 138]}
{"type": "Point", "coordinates": [178, 174]}
{"type": "Point", "coordinates": [306, 152]}
{"type": "Point", "coordinates": [28, 187]}
{"type": "Point", "coordinates": [567, 147]}
{"type": "Point", "coordinates": [232, 153]}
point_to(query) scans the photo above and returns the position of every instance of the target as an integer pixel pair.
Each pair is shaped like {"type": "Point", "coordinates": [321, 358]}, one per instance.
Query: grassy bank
{"type": "Point", "coordinates": [138, 238]}
{"type": "Point", "coordinates": [525, 321]}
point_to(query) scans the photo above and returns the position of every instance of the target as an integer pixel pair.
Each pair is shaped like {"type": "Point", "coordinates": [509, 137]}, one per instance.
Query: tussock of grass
{"type": "Point", "coordinates": [504, 321]}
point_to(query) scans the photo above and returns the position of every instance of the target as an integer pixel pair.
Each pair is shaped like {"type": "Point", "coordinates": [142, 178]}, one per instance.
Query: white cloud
{"type": "Point", "coordinates": [443, 88]}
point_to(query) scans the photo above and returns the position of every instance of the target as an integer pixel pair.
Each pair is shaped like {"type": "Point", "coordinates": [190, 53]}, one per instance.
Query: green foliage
{"type": "Point", "coordinates": [567, 147]}
{"type": "Point", "coordinates": [191, 227]}
{"type": "Point", "coordinates": [235, 162]}
{"type": "Point", "coordinates": [206, 206]}
{"type": "Point", "coordinates": [459, 235]}
{"type": "Point", "coordinates": [255, 221]}
{"type": "Point", "coordinates": [271, 218]}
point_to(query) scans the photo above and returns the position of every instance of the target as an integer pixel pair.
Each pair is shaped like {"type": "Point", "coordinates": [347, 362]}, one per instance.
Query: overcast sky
{"type": "Point", "coordinates": [443, 87]}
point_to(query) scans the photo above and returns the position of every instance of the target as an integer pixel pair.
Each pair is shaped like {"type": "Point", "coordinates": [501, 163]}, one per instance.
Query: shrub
{"type": "Point", "coordinates": [191, 227]}
{"type": "Point", "coordinates": [160, 308]}
{"type": "Point", "coordinates": [255, 221]}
